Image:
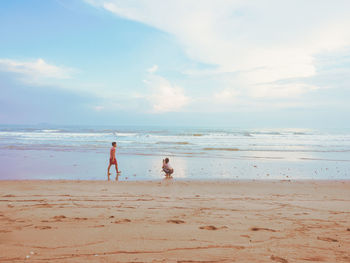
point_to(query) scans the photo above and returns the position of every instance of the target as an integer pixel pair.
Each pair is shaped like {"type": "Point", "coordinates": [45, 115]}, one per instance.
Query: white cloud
{"type": "Point", "coordinates": [261, 42]}
{"type": "Point", "coordinates": [272, 91]}
{"type": "Point", "coordinates": [165, 97]}
{"type": "Point", "coordinates": [152, 69]}
{"type": "Point", "coordinates": [226, 96]}
{"type": "Point", "coordinates": [35, 70]}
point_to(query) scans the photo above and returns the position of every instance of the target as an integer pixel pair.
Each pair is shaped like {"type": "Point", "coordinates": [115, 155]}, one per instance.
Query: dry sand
{"type": "Point", "coordinates": [173, 221]}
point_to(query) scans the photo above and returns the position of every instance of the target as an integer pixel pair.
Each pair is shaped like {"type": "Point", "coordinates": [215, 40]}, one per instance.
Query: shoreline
{"type": "Point", "coordinates": [183, 180]}
{"type": "Point", "coordinates": [93, 166]}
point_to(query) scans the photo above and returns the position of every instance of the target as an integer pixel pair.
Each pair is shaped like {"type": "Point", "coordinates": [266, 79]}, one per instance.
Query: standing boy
{"type": "Point", "coordinates": [113, 161]}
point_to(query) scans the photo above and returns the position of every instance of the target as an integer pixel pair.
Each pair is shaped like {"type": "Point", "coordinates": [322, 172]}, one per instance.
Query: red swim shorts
{"type": "Point", "coordinates": [111, 161]}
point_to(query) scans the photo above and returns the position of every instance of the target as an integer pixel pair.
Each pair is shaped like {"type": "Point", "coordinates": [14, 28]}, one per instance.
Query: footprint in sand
{"type": "Point", "coordinates": [176, 221]}
{"type": "Point", "coordinates": [43, 227]}
{"type": "Point", "coordinates": [278, 259]}
{"type": "Point", "coordinates": [262, 228]}
{"type": "Point", "coordinates": [208, 227]}
{"type": "Point", "coordinates": [317, 259]}
{"type": "Point", "coordinates": [212, 227]}
{"type": "Point", "coordinates": [59, 218]}
{"type": "Point", "coordinates": [9, 196]}
{"type": "Point", "coordinates": [328, 239]}
{"type": "Point", "coordinates": [126, 220]}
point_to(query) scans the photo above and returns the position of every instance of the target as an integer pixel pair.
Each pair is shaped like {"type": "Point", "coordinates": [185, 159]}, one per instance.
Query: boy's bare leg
{"type": "Point", "coordinates": [116, 166]}
{"type": "Point", "coordinates": [108, 173]}
{"type": "Point", "coordinates": [117, 170]}
{"type": "Point", "coordinates": [168, 175]}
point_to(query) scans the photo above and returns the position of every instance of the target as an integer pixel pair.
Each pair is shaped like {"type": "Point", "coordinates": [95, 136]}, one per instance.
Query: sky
{"type": "Point", "coordinates": [258, 63]}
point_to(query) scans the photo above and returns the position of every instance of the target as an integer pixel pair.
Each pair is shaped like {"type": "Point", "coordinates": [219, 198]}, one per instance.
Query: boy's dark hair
{"type": "Point", "coordinates": [166, 160]}
{"type": "Point", "coordinates": [114, 143]}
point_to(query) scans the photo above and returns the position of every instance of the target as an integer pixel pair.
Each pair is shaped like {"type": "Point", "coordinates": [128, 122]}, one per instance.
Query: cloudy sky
{"type": "Point", "coordinates": [263, 63]}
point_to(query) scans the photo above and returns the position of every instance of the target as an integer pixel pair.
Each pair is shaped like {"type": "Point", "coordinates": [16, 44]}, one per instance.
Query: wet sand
{"type": "Point", "coordinates": [175, 221]}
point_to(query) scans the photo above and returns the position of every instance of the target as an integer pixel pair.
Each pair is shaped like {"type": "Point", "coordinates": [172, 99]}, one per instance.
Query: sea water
{"type": "Point", "coordinates": [82, 152]}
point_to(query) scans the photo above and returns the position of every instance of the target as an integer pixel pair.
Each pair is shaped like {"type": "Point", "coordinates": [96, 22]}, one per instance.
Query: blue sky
{"type": "Point", "coordinates": [216, 63]}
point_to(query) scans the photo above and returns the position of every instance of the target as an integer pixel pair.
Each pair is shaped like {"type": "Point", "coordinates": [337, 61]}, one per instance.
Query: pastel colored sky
{"type": "Point", "coordinates": [181, 62]}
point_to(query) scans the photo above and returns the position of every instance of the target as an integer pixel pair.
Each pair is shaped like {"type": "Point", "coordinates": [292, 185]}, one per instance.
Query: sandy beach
{"type": "Point", "coordinates": [175, 221]}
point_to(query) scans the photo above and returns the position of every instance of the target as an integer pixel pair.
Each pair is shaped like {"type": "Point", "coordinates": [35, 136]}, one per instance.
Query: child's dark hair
{"type": "Point", "coordinates": [114, 143]}
{"type": "Point", "coordinates": [166, 160]}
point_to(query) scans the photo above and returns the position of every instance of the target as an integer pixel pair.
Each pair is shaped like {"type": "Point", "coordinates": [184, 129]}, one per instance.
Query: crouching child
{"type": "Point", "coordinates": [167, 168]}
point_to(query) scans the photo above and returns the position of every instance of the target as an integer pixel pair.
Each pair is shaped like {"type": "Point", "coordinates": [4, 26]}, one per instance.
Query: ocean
{"type": "Point", "coordinates": [82, 152]}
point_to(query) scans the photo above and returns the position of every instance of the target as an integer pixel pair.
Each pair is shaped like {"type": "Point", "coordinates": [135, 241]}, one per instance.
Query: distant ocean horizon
{"type": "Point", "coordinates": [82, 152]}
